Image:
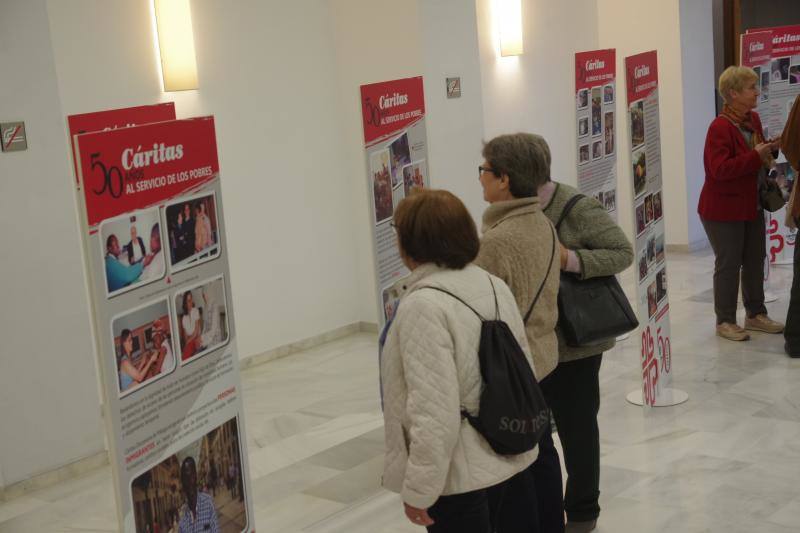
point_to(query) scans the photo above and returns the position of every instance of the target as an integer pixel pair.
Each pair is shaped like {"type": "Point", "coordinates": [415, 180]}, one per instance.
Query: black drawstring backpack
{"type": "Point", "coordinates": [513, 414]}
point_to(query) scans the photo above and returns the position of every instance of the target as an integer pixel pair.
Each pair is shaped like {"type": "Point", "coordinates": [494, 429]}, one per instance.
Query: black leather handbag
{"type": "Point", "coordinates": [770, 195]}
{"type": "Point", "coordinates": [591, 311]}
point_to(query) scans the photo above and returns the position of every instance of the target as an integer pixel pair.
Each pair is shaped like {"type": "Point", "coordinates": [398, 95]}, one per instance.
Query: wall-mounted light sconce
{"type": "Point", "coordinates": [175, 42]}
{"type": "Point", "coordinates": [509, 23]}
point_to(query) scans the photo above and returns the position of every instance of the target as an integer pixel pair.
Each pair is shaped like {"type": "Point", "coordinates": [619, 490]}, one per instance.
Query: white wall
{"type": "Point", "coordinates": [632, 27]}
{"type": "Point", "coordinates": [266, 72]}
{"type": "Point", "coordinates": [455, 126]}
{"type": "Point", "coordinates": [368, 49]}
{"type": "Point", "coordinates": [699, 105]}
{"type": "Point", "coordinates": [49, 412]}
{"type": "Point", "coordinates": [535, 92]}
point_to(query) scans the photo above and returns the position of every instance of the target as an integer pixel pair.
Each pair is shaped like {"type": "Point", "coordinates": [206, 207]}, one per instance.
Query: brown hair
{"type": "Point", "coordinates": [523, 157]}
{"type": "Point", "coordinates": [434, 226]}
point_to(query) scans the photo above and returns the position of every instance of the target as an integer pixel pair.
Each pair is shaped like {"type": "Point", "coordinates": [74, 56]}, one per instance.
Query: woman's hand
{"type": "Point", "coordinates": [564, 252]}
{"type": "Point", "coordinates": [418, 517]}
{"type": "Point", "coordinates": [766, 148]}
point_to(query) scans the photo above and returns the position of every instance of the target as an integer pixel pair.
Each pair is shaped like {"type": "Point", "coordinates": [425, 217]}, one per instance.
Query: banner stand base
{"type": "Point", "coordinates": [677, 397]}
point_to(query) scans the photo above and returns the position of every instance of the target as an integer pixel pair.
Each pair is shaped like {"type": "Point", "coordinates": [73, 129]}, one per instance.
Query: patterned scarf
{"type": "Point", "coordinates": [744, 121]}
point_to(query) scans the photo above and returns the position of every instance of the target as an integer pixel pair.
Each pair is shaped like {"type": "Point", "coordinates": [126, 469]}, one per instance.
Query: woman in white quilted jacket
{"type": "Point", "coordinates": [448, 476]}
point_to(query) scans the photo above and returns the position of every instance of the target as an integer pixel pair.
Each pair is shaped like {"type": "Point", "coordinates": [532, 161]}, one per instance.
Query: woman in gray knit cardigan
{"type": "Point", "coordinates": [592, 245]}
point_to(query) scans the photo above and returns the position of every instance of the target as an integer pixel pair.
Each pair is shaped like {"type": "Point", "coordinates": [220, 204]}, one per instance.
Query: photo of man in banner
{"type": "Point", "coordinates": [197, 489]}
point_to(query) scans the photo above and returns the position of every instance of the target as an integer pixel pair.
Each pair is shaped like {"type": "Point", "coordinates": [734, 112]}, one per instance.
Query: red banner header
{"type": "Point", "coordinates": [785, 39]}
{"type": "Point", "coordinates": [641, 75]}
{"type": "Point", "coordinates": [133, 168]}
{"type": "Point", "coordinates": [116, 118]}
{"type": "Point", "coordinates": [756, 48]}
{"type": "Point", "coordinates": [391, 106]}
{"type": "Point", "coordinates": [595, 68]}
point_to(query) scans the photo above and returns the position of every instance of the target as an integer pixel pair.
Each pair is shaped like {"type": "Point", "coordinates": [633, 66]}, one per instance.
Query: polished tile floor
{"type": "Point", "coordinates": [726, 461]}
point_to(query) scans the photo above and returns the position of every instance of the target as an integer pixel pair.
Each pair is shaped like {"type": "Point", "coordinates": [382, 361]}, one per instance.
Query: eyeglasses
{"type": "Point", "coordinates": [394, 227]}
{"type": "Point", "coordinates": [482, 169]}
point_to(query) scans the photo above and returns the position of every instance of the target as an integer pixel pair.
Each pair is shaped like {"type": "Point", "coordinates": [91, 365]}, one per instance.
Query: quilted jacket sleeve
{"type": "Point", "coordinates": [722, 161]}
{"type": "Point", "coordinates": [433, 417]}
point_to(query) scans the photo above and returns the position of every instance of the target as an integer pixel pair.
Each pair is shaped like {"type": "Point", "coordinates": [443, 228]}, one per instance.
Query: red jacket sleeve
{"type": "Point", "coordinates": [721, 158]}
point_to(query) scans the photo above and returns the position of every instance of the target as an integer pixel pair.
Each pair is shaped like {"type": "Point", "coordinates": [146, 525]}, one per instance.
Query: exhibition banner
{"type": "Point", "coordinates": [779, 84]}
{"type": "Point", "coordinates": [116, 118]}
{"type": "Point", "coordinates": [396, 147]}
{"type": "Point", "coordinates": [649, 246]}
{"type": "Point", "coordinates": [153, 231]}
{"type": "Point", "coordinates": [596, 132]}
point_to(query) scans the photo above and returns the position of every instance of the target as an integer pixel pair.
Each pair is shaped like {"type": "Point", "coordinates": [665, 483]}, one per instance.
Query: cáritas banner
{"type": "Point", "coordinates": [153, 231]}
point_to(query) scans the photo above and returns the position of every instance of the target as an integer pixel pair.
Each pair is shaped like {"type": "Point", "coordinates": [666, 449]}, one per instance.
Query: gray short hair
{"type": "Point", "coordinates": [734, 78]}
{"type": "Point", "coordinates": [524, 157]}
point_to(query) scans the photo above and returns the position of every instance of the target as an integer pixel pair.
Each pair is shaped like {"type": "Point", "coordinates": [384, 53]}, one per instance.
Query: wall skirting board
{"type": "Point", "coordinates": [100, 459]}
{"type": "Point", "coordinates": [695, 246]}
{"type": "Point", "coordinates": [47, 479]}
{"type": "Point", "coordinates": [310, 342]}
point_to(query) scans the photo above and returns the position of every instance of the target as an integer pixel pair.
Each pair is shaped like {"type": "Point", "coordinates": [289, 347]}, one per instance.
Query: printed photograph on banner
{"type": "Point", "coordinates": [597, 111]}
{"type": "Point", "coordinates": [199, 488]}
{"type": "Point", "coordinates": [193, 231]}
{"type": "Point", "coordinates": [643, 269]}
{"type": "Point", "coordinates": [583, 154]}
{"type": "Point", "coordinates": [794, 74]}
{"type": "Point", "coordinates": [780, 69]}
{"type": "Point", "coordinates": [413, 177]}
{"type": "Point", "coordinates": [649, 213]}
{"type": "Point", "coordinates": [661, 284]}
{"type": "Point", "coordinates": [600, 196]}
{"type": "Point", "coordinates": [764, 86]}
{"type": "Point", "coordinates": [389, 304]}
{"type": "Point", "coordinates": [142, 340]}
{"type": "Point", "coordinates": [637, 123]}
{"type": "Point", "coordinates": [597, 150]}
{"type": "Point", "coordinates": [641, 222]}
{"type": "Point", "coordinates": [610, 200]}
{"type": "Point", "coordinates": [658, 210]}
{"type": "Point", "coordinates": [583, 126]}
{"type": "Point", "coordinates": [608, 94]}
{"type": "Point", "coordinates": [660, 248]}
{"type": "Point", "coordinates": [201, 314]}
{"type": "Point", "coordinates": [652, 300]}
{"type": "Point", "coordinates": [381, 185]}
{"type": "Point", "coordinates": [583, 98]}
{"type": "Point", "coordinates": [132, 247]}
{"type": "Point", "coordinates": [400, 156]}
{"type": "Point", "coordinates": [639, 159]}
{"type": "Point", "coordinates": [608, 132]}
{"type": "Point", "coordinates": [650, 249]}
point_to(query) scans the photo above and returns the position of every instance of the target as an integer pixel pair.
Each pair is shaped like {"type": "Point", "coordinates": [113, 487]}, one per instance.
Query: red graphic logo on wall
{"type": "Point", "coordinates": [391, 106]}
{"type": "Point", "coordinates": [133, 168]}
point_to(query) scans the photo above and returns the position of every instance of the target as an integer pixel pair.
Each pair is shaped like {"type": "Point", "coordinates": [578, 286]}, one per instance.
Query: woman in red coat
{"type": "Point", "coordinates": [735, 154]}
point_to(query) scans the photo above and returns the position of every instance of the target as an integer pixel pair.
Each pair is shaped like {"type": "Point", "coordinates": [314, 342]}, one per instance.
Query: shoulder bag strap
{"type": "Point", "coordinates": [567, 208]}
{"type": "Point", "coordinates": [457, 298]}
{"type": "Point", "coordinates": [547, 274]}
